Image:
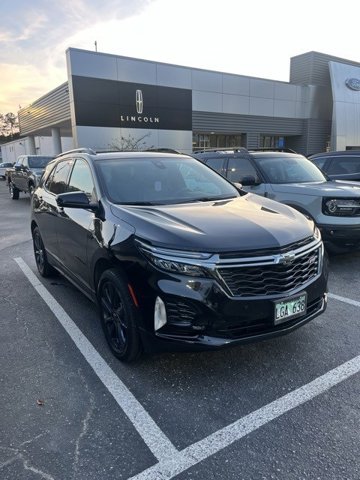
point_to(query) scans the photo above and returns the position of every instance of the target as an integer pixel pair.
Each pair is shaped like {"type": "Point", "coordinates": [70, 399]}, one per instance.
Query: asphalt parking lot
{"type": "Point", "coordinates": [284, 409]}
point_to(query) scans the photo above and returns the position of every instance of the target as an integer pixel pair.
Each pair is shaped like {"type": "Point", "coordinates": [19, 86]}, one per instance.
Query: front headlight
{"type": "Point", "coordinates": [175, 261]}
{"type": "Point", "coordinates": [341, 206]}
{"type": "Point", "coordinates": [317, 234]}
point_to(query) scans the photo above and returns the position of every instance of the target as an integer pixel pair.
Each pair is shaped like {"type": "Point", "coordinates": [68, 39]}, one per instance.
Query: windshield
{"type": "Point", "coordinates": [39, 162]}
{"type": "Point", "coordinates": [161, 181]}
{"type": "Point", "coordinates": [290, 169]}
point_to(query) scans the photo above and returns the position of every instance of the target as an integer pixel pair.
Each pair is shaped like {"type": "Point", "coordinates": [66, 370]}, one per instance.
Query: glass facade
{"type": "Point", "coordinates": [216, 140]}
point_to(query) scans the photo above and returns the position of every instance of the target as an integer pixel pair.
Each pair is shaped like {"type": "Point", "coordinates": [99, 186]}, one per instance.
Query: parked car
{"type": "Point", "coordinates": [343, 165]}
{"type": "Point", "coordinates": [4, 167]}
{"type": "Point", "coordinates": [174, 255]}
{"type": "Point", "coordinates": [26, 173]}
{"type": "Point", "coordinates": [294, 180]}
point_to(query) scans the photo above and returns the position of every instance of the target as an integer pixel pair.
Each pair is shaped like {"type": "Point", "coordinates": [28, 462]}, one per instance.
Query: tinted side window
{"type": "Point", "coordinates": [217, 164]}
{"type": "Point", "coordinates": [239, 168]}
{"type": "Point", "coordinates": [58, 179]}
{"type": "Point", "coordinates": [81, 179]}
{"type": "Point", "coordinates": [344, 165]}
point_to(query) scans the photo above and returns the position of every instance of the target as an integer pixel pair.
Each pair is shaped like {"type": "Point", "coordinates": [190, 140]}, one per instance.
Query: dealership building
{"type": "Point", "coordinates": [114, 102]}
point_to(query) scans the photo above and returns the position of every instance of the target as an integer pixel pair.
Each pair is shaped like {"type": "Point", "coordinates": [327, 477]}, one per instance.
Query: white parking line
{"type": "Point", "coordinates": [155, 439]}
{"type": "Point", "coordinates": [172, 462]}
{"type": "Point", "coordinates": [344, 299]}
{"type": "Point", "coordinates": [190, 456]}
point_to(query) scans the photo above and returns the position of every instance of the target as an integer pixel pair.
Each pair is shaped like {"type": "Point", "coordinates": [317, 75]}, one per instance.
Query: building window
{"type": "Point", "coordinates": [215, 140]}
{"type": "Point", "coordinates": [271, 141]}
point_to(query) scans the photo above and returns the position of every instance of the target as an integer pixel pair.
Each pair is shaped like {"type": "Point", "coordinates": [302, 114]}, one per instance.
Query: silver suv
{"type": "Point", "coordinates": [292, 179]}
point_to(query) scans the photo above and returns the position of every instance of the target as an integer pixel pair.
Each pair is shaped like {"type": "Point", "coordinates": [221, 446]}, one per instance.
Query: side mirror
{"type": "Point", "coordinates": [75, 200]}
{"type": "Point", "coordinates": [18, 168]}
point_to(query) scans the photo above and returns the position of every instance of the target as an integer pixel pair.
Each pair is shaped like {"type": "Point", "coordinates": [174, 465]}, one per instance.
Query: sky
{"type": "Point", "coordinates": [255, 38]}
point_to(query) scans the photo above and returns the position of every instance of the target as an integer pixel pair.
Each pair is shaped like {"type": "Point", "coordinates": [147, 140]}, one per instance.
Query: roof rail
{"type": "Point", "coordinates": [77, 150]}
{"type": "Point", "coordinates": [162, 150]}
{"type": "Point", "coordinates": [272, 149]}
{"type": "Point", "coordinates": [224, 149]}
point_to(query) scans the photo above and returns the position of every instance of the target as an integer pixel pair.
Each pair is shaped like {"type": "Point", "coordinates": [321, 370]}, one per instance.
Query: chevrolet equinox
{"type": "Point", "coordinates": [173, 254]}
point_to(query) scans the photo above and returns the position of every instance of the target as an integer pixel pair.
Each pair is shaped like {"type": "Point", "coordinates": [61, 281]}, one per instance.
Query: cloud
{"type": "Point", "coordinates": [34, 38]}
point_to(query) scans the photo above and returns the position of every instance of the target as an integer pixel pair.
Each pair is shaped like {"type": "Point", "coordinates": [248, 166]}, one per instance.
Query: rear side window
{"type": "Point", "coordinates": [345, 165]}
{"type": "Point", "coordinates": [56, 183]}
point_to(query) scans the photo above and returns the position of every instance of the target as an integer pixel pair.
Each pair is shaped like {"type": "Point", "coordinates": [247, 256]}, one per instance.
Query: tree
{"type": "Point", "coordinates": [131, 143]}
{"type": "Point", "coordinates": [9, 126]}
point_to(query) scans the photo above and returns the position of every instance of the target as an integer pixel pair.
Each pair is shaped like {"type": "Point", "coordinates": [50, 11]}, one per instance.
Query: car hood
{"type": "Point", "coordinates": [244, 223]}
{"type": "Point", "coordinates": [335, 188]}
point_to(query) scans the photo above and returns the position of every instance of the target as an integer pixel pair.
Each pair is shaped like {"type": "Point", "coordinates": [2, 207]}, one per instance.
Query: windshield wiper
{"type": "Point", "coordinates": [141, 204]}
{"type": "Point", "coordinates": [213, 199]}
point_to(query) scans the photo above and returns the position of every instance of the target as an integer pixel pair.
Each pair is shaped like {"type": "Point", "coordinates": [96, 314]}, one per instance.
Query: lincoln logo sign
{"type": "Point", "coordinates": [110, 103]}
{"type": "Point", "coordinates": [139, 103]}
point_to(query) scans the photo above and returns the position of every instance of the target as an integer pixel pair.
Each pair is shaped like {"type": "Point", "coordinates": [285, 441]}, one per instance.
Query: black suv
{"type": "Point", "coordinates": [339, 165]}
{"type": "Point", "coordinates": [173, 254]}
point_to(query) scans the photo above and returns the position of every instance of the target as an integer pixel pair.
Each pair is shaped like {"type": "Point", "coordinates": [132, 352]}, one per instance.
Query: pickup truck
{"type": "Point", "coordinates": [26, 173]}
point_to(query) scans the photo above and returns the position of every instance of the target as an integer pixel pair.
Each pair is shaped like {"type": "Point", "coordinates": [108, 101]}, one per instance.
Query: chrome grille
{"type": "Point", "coordinates": [270, 279]}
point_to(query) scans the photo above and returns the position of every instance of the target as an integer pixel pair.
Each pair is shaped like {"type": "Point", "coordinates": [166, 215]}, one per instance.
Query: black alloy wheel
{"type": "Point", "coordinates": [31, 189]}
{"type": "Point", "coordinates": [43, 266]}
{"type": "Point", "coordinates": [14, 192]}
{"type": "Point", "coordinates": [119, 316]}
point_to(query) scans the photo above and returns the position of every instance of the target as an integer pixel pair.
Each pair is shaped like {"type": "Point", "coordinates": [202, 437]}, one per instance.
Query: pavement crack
{"type": "Point", "coordinates": [85, 425]}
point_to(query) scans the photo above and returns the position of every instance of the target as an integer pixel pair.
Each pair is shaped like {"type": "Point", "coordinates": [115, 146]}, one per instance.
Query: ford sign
{"type": "Point", "coordinates": [353, 83]}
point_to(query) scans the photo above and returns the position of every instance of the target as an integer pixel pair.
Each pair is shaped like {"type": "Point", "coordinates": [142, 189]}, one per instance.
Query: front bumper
{"type": "Point", "coordinates": [339, 238]}
{"type": "Point", "coordinates": [201, 316]}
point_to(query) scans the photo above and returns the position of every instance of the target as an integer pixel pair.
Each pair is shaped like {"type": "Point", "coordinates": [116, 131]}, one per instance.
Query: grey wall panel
{"type": "Point", "coordinates": [206, 81]}
{"type": "Point", "coordinates": [92, 64]}
{"type": "Point", "coordinates": [171, 76]}
{"type": "Point", "coordinates": [312, 68]}
{"type": "Point", "coordinates": [262, 88]}
{"type": "Point", "coordinates": [142, 71]}
{"type": "Point", "coordinates": [50, 110]}
{"type": "Point", "coordinates": [283, 91]}
{"type": "Point", "coordinates": [235, 84]}
{"type": "Point", "coordinates": [317, 135]}
{"type": "Point", "coordinates": [228, 123]}
{"type": "Point", "coordinates": [236, 104]}
{"type": "Point", "coordinates": [206, 101]}
{"type": "Point", "coordinates": [104, 138]}
{"type": "Point", "coordinates": [262, 106]}
{"type": "Point", "coordinates": [284, 108]}
{"type": "Point", "coordinates": [346, 107]}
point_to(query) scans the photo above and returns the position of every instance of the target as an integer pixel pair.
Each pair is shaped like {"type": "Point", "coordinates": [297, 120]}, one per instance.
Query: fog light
{"type": "Point", "coordinates": [159, 314]}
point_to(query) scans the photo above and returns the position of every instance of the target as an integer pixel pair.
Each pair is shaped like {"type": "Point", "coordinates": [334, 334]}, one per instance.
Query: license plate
{"type": "Point", "coordinates": [290, 308]}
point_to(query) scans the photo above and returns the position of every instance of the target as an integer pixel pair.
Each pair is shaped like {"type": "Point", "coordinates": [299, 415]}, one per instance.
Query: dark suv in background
{"type": "Point", "coordinates": [339, 165]}
{"type": "Point", "coordinates": [174, 255]}
{"type": "Point", "coordinates": [293, 179]}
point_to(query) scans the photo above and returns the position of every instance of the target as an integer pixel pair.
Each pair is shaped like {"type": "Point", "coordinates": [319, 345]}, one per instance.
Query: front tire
{"type": "Point", "coordinates": [119, 316]}
{"type": "Point", "coordinates": [43, 266]}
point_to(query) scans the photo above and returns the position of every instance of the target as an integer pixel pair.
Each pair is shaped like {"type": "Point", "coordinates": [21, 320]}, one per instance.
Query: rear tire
{"type": "Point", "coordinates": [14, 192]}
{"type": "Point", "coordinates": [43, 266]}
{"type": "Point", "coordinates": [119, 316]}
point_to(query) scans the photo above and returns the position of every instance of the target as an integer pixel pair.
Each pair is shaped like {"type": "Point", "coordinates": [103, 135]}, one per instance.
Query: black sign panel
{"type": "Point", "coordinates": [108, 103]}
